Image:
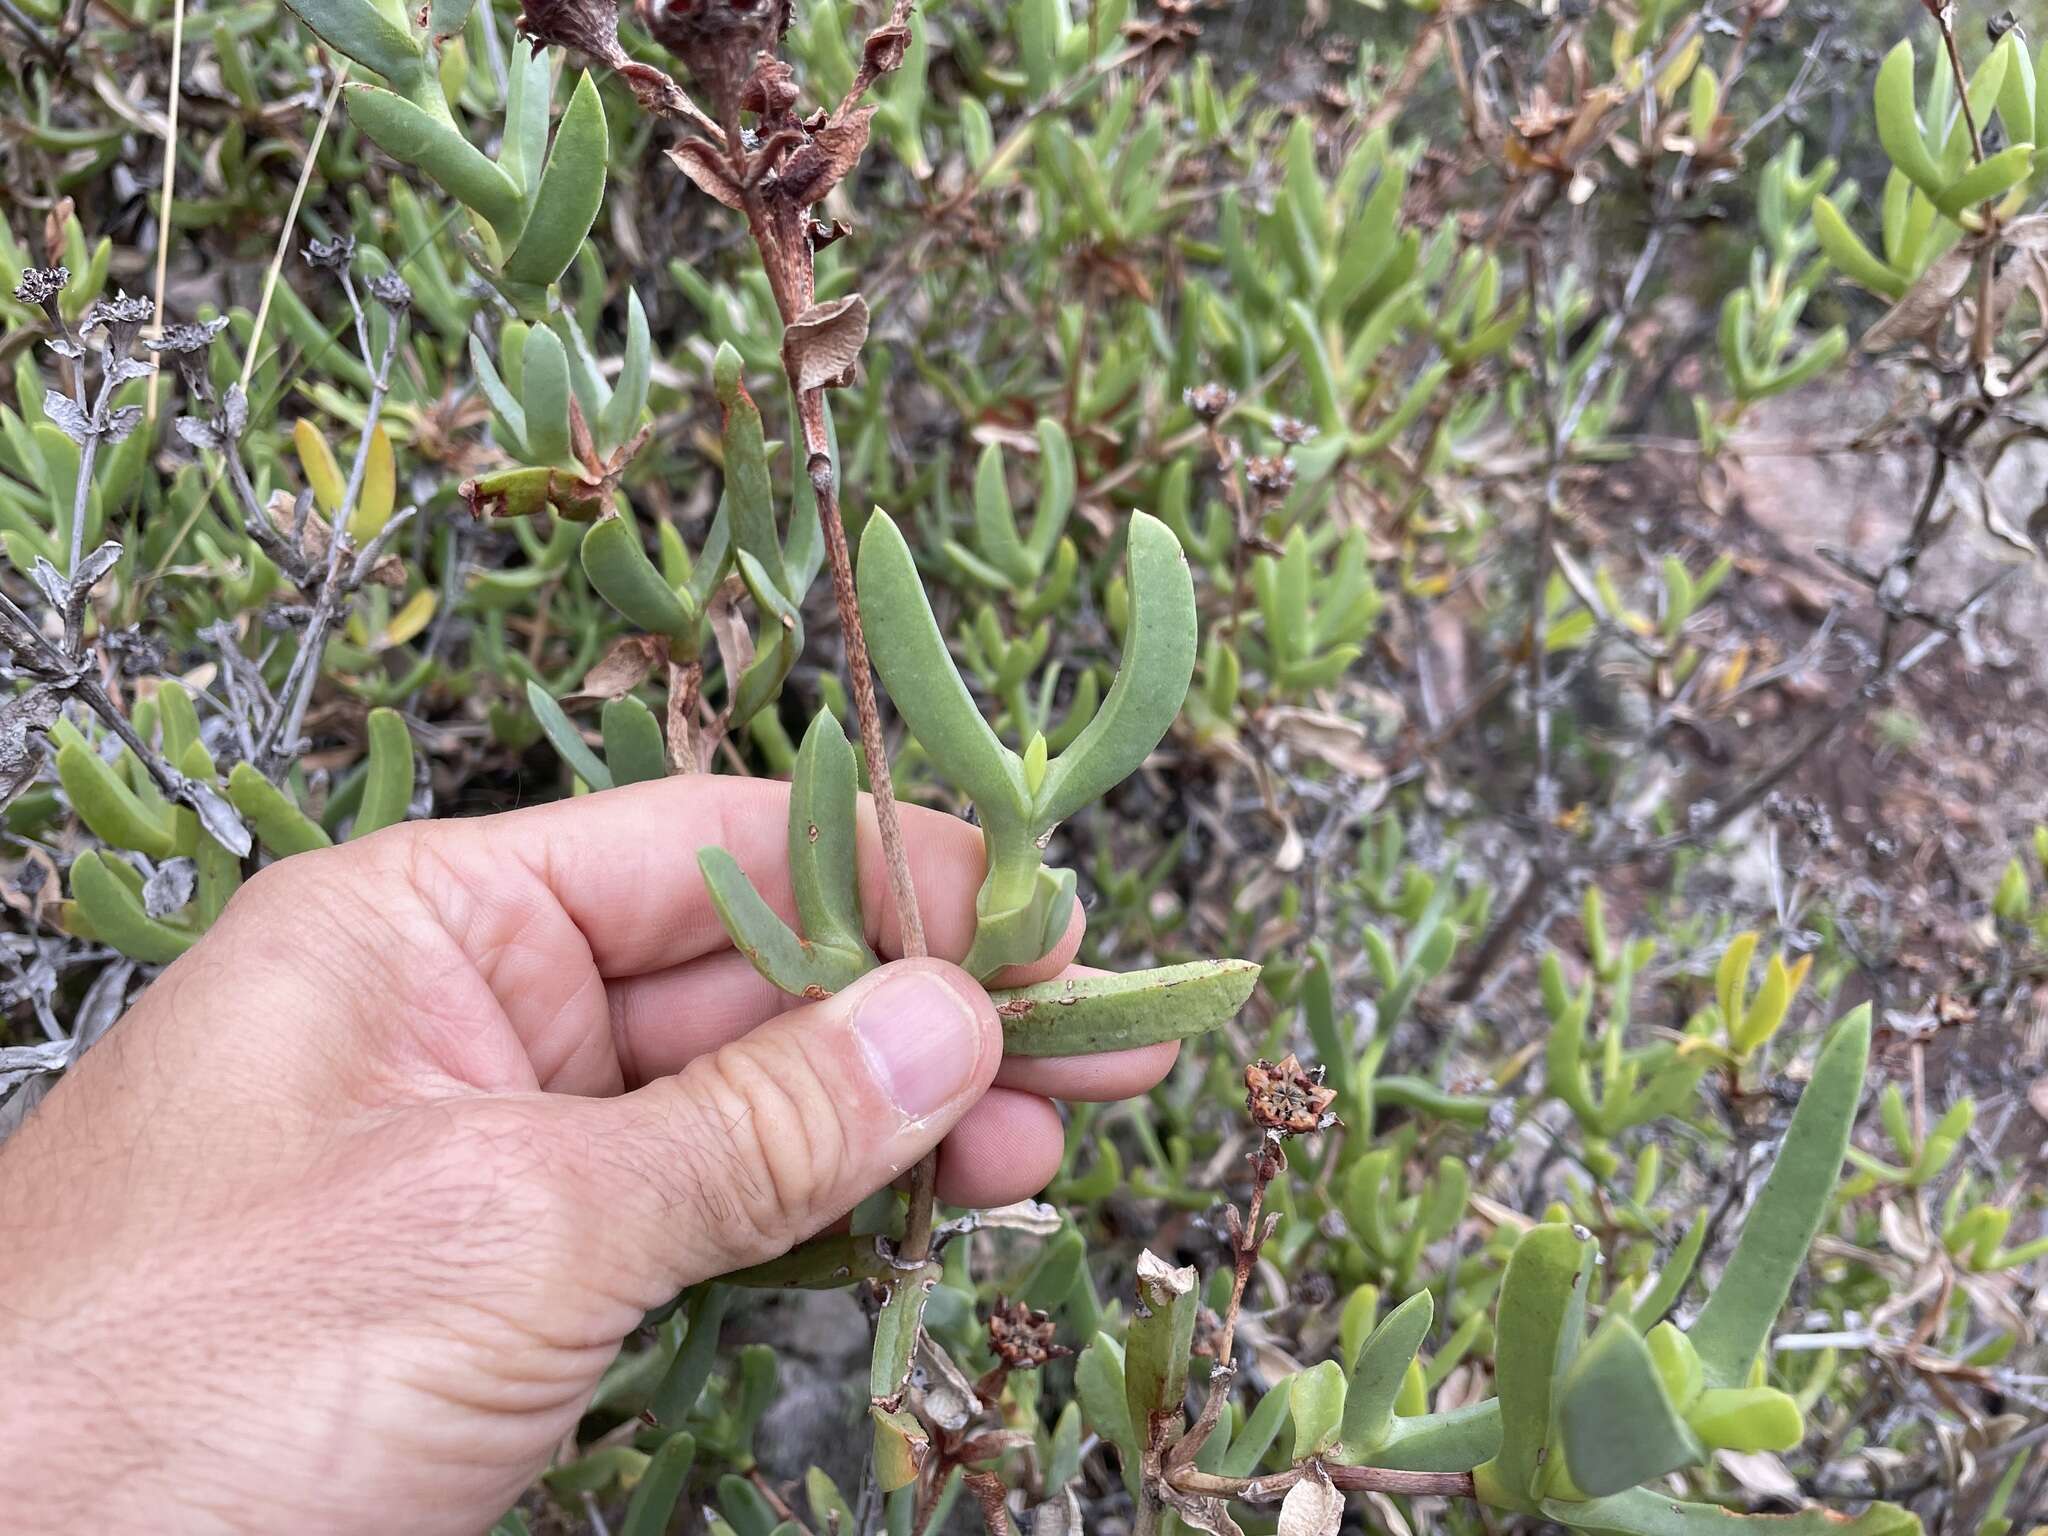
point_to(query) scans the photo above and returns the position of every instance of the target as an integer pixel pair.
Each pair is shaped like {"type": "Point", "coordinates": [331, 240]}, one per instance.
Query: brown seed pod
{"type": "Point", "coordinates": [1287, 1097]}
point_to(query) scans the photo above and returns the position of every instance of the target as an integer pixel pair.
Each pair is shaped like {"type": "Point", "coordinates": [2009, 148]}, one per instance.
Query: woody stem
{"type": "Point", "coordinates": [811, 414]}
{"type": "Point", "coordinates": [1253, 1490]}
{"type": "Point", "coordinates": [785, 251]}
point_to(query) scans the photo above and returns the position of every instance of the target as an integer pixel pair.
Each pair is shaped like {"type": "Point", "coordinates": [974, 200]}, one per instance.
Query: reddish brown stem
{"type": "Point", "coordinates": [811, 409]}
{"type": "Point", "coordinates": [1267, 1164]}
{"type": "Point", "coordinates": [990, 1494]}
{"type": "Point", "coordinates": [1264, 1490]}
{"type": "Point", "coordinates": [685, 744]}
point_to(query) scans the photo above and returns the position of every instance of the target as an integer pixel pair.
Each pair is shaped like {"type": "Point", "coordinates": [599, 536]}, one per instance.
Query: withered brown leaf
{"type": "Point", "coordinates": [819, 166]}
{"type": "Point", "coordinates": [822, 345]}
{"type": "Point", "coordinates": [624, 667]}
{"type": "Point", "coordinates": [703, 164]}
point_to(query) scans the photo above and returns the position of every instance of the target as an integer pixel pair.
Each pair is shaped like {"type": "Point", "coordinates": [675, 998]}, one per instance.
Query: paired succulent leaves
{"type": "Point", "coordinates": [1023, 907]}
{"type": "Point", "coordinates": [535, 202]}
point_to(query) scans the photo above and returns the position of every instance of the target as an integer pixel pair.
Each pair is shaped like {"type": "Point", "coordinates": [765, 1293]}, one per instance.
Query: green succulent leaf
{"type": "Point", "coordinates": [749, 498]}
{"type": "Point", "coordinates": [902, 1446]}
{"type": "Point", "coordinates": [1316, 1404]}
{"type": "Point", "coordinates": [1151, 682]}
{"type": "Point", "coordinates": [909, 652]}
{"type": "Point", "coordinates": [360, 32]}
{"type": "Point", "coordinates": [622, 412]}
{"type": "Point", "coordinates": [995, 522]}
{"type": "Point", "coordinates": [387, 785]}
{"type": "Point", "coordinates": [413, 136]}
{"type": "Point", "coordinates": [1100, 1387]}
{"type": "Point", "coordinates": [1382, 1367]}
{"type": "Point", "coordinates": [544, 396]}
{"type": "Point", "coordinates": [633, 749]}
{"type": "Point", "coordinates": [1157, 1345]}
{"type": "Point", "coordinates": [796, 965]}
{"type": "Point", "coordinates": [1898, 121]}
{"type": "Point", "coordinates": [109, 807]}
{"type": "Point", "coordinates": [776, 648]}
{"type": "Point", "coordinates": [1459, 1440]}
{"type": "Point", "coordinates": [1670, 1283]}
{"type": "Point", "coordinates": [618, 567]}
{"type": "Point", "coordinates": [652, 1508]}
{"type": "Point", "coordinates": [824, 858]}
{"type": "Point", "coordinates": [677, 1393]}
{"type": "Point", "coordinates": [1083, 1015]}
{"type": "Point", "coordinates": [1744, 1303]}
{"type": "Point", "coordinates": [1543, 1316]}
{"type": "Point", "coordinates": [529, 84]}
{"type": "Point", "coordinates": [1992, 178]}
{"type": "Point", "coordinates": [116, 915]}
{"type": "Point", "coordinates": [571, 190]}
{"type": "Point", "coordinates": [1647, 1512]}
{"type": "Point", "coordinates": [1746, 1419]}
{"type": "Point", "coordinates": [896, 1330]}
{"type": "Point", "coordinates": [822, 1264]}
{"type": "Point", "coordinates": [1620, 1428]}
{"type": "Point", "coordinates": [272, 815]}
{"type": "Point", "coordinates": [562, 733]}
{"type": "Point", "coordinates": [1261, 1428]}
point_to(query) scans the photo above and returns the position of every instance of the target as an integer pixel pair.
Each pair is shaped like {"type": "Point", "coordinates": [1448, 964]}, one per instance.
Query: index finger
{"type": "Point", "coordinates": [622, 864]}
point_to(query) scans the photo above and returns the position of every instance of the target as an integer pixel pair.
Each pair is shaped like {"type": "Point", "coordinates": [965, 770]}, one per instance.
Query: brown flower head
{"type": "Point", "coordinates": [40, 286]}
{"type": "Point", "coordinates": [392, 291]}
{"type": "Point", "coordinates": [1270, 474]}
{"type": "Point", "coordinates": [1293, 431]}
{"type": "Point", "coordinates": [334, 255]}
{"type": "Point", "coordinates": [717, 40]}
{"type": "Point", "coordinates": [1287, 1098]}
{"type": "Point", "coordinates": [590, 27]}
{"type": "Point", "coordinates": [1022, 1338]}
{"type": "Point", "coordinates": [187, 346]}
{"type": "Point", "coordinates": [1209, 401]}
{"type": "Point", "coordinates": [121, 317]}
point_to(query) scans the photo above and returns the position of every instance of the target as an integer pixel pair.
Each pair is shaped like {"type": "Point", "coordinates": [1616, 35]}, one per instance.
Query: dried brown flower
{"type": "Point", "coordinates": [1270, 474]}
{"type": "Point", "coordinates": [1293, 431]}
{"type": "Point", "coordinates": [1021, 1337]}
{"type": "Point", "coordinates": [121, 317]}
{"type": "Point", "coordinates": [717, 40]}
{"type": "Point", "coordinates": [187, 346]}
{"type": "Point", "coordinates": [41, 285]}
{"type": "Point", "coordinates": [392, 291]}
{"type": "Point", "coordinates": [1287, 1097]}
{"type": "Point", "coordinates": [1209, 401]}
{"type": "Point", "coordinates": [334, 255]}
{"type": "Point", "coordinates": [591, 27]}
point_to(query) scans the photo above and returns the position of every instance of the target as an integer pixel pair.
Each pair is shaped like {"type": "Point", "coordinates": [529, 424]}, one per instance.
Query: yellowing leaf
{"type": "Point", "coordinates": [1732, 976]}
{"type": "Point", "coordinates": [1675, 74]}
{"type": "Point", "coordinates": [411, 618]}
{"type": "Point", "coordinates": [316, 462]}
{"type": "Point", "coordinates": [1732, 675]}
{"type": "Point", "coordinates": [379, 493]}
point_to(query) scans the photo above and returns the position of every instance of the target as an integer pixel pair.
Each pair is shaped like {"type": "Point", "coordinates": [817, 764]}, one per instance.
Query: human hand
{"type": "Point", "coordinates": [337, 1229]}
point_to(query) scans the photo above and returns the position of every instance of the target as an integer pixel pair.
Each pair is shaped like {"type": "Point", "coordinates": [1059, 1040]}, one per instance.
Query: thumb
{"type": "Point", "coordinates": [753, 1148]}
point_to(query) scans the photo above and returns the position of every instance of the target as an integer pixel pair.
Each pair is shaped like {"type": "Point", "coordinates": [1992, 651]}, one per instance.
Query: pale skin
{"type": "Point", "coordinates": [337, 1229]}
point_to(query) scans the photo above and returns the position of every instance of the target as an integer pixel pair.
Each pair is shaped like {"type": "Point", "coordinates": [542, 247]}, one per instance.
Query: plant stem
{"type": "Point", "coordinates": [1264, 1490]}
{"type": "Point", "coordinates": [990, 1494]}
{"type": "Point", "coordinates": [811, 411]}
{"type": "Point", "coordinates": [281, 740]}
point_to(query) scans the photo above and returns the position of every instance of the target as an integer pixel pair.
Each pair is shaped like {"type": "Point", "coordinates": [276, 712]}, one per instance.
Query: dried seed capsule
{"type": "Point", "coordinates": [1022, 1337]}
{"type": "Point", "coordinates": [1287, 1097]}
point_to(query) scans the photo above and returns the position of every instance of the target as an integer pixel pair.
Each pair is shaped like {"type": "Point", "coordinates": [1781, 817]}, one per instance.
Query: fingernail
{"type": "Point", "coordinates": [923, 1041]}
